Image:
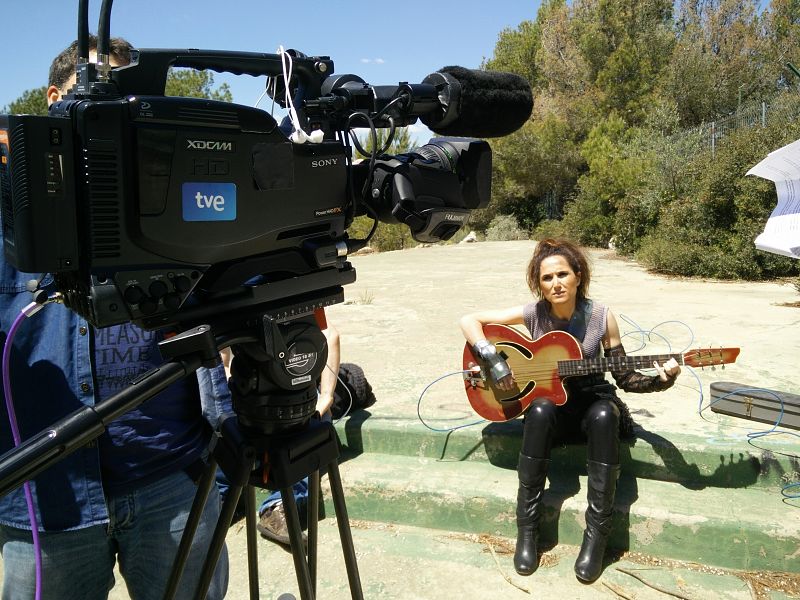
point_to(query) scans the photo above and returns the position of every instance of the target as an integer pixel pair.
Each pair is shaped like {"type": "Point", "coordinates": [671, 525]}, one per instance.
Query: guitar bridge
{"type": "Point", "coordinates": [474, 378]}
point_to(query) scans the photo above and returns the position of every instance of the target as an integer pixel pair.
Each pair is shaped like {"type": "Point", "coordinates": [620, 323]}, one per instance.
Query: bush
{"type": "Point", "coordinates": [732, 258]}
{"type": "Point", "coordinates": [504, 228]}
{"type": "Point", "coordinates": [636, 216]}
{"type": "Point", "coordinates": [709, 230]}
{"type": "Point", "coordinates": [588, 221]}
{"type": "Point", "coordinates": [550, 228]}
{"type": "Point", "coordinates": [387, 237]}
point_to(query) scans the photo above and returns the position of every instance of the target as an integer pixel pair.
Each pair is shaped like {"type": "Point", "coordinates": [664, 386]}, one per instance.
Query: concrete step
{"type": "Point", "coordinates": [740, 528]}
{"type": "Point", "coordinates": [399, 562]}
{"type": "Point", "coordinates": [692, 461]}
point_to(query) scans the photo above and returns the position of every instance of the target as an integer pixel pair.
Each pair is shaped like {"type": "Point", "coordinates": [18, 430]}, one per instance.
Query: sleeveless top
{"type": "Point", "coordinates": [540, 321]}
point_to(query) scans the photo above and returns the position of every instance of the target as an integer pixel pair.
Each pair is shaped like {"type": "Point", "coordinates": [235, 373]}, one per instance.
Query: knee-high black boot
{"type": "Point", "coordinates": [532, 473]}
{"type": "Point", "coordinates": [602, 487]}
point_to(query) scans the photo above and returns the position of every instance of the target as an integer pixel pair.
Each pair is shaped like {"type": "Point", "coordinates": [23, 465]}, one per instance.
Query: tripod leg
{"type": "Point", "coordinates": [252, 548]}
{"type": "Point", "coordinates": [345, 536]}
{"type": "Point", "coordinates": [218, 540]}
{"type": "Point", "coordinates": [189, 530]}
{"type": "Point", "coordinates": [313, 525]}
{"type": "Point", "coordinates": [296, 542]}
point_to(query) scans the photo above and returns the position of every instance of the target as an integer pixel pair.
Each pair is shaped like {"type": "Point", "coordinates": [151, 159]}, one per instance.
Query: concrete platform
{"type": "Point", "coordinates": [401, 562]}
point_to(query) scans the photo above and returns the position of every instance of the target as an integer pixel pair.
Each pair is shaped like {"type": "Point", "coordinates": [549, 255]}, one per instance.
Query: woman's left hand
{"type": "Point", "coordinates": [670, 370]}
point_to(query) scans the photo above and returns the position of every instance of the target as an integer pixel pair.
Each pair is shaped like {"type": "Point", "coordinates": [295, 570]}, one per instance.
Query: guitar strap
{"type": "Point", "coordinates": [580, 319]}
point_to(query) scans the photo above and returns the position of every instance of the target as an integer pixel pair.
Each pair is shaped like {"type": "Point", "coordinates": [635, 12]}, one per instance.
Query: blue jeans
{"type": "Point", "coordinates": [144, 532]}
{"type": "Point", "coordinates": [299, 490]}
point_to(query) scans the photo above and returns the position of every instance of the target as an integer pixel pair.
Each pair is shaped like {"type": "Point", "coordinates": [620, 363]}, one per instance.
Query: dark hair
{"type": "Point", "coordinates": [63, 66]}
{"type": "Point", "coordinates": [571, 252]}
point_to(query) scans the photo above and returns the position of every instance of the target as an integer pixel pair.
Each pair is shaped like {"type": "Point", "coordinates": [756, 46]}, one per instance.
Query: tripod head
{"type": "Point", "coordinates": [273, 382]}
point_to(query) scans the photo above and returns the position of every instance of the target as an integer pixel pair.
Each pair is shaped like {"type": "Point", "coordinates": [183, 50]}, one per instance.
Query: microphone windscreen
{"type": "Point", "coordinates": [479, 103]}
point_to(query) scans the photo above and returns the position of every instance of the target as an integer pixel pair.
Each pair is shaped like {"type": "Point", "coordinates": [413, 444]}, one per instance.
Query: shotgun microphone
{"type": "Point", "coordinates": [481, 104]}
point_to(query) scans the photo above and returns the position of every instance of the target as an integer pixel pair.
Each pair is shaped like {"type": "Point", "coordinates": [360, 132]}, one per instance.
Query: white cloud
{"type": "Point", "coordinates": [374, 61]}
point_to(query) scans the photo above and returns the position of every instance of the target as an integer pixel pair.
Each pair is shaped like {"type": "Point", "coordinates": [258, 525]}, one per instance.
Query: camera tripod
{"type": "Point", "coordinates": [273, 442]}
{"type": "Point", "coordinates": [270, 422]}
{"type": "Point", "coordinates": [291, 457]}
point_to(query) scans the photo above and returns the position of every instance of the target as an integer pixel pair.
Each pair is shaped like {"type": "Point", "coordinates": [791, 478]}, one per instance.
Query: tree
{"type": "Point", "coordinates": [189, 83]}
{"type": "Point", "coordinates": [401, 142]}
{"type": "Point", "coordinates": [782, 25]}
{"type": "Point", "coordinates": [186, 83]}
{"type": "Point", "coordinates": [515, 51]}
{"type": "Point", "coordinates": [535, 169]}
{"type": "Point", "coordinates": [31, 102]}
{"type": "Point", "coordinates": [722, 56]}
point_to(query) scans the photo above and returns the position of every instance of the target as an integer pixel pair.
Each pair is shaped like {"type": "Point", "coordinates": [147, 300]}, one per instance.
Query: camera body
{"type": "Point", "coordinates": [131, 202]}
{"type": "Point", "coordinates": [163, 210]}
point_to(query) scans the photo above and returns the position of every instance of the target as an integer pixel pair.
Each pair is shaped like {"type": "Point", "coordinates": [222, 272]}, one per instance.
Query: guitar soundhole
{"type": "Point", "coordinates": [524, 392]}
{"type": "Point", "coordinates": [518, 347]}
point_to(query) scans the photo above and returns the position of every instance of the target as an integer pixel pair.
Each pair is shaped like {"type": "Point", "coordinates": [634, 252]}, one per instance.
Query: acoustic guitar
{"type": "Point", "coordinates": [540, 367]}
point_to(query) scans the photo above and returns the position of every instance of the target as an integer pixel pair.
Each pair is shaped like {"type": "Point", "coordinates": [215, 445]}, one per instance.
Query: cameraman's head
{"type": "Point", "coordinates": [62, 70]}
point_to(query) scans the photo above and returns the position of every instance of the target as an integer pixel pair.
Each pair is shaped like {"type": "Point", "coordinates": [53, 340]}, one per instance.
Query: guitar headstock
{"type": "Point", "coordinates": [708, 357]}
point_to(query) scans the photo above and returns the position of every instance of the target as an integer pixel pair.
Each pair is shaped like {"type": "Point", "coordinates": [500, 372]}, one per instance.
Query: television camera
{"type": "Point", "coordinates": [160, 210]}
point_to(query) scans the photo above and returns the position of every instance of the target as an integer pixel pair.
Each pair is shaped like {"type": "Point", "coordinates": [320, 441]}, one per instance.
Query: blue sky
{"type": "Point", "coordinates": [382, 42]}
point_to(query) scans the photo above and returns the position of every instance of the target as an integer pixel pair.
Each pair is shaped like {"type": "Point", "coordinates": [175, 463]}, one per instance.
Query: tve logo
{"type": "Point", "coordinates": [209, 201]}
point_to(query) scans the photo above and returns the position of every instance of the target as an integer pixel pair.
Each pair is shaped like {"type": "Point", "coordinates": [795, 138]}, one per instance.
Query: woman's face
{"type": "Point", "coordinates": [557, 281]}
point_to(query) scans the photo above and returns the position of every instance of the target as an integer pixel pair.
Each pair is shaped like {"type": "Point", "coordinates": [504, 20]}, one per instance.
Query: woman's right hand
{"type": "Point", "coordinates": [498, 368]}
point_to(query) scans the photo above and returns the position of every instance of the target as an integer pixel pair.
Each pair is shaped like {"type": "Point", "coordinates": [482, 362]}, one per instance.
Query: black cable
{"type": "Point", "coordinates": [370, 172]}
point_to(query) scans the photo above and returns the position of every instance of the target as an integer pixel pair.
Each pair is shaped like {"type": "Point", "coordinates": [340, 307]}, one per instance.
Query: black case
{"type": "Point", "coordinates": [755, 404]}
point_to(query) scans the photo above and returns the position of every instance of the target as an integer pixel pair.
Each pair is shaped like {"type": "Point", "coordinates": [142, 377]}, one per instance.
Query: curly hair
{"type": "Point", "coordinates": [63, 65]}
{"type": "Point", "coordinates": [574, 256]}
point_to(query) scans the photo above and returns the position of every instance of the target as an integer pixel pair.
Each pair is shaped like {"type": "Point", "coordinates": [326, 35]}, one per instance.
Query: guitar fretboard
{"type": "Point", "coordinates": [586, 366]}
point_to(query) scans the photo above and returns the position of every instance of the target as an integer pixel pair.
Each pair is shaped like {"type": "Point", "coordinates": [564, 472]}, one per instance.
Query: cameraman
{"type": "Point", "coordinates": [125, 495]}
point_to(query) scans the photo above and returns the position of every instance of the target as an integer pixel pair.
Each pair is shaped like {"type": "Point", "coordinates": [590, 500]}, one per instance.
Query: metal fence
{"type": "Point", "coordinates": [782, 108]}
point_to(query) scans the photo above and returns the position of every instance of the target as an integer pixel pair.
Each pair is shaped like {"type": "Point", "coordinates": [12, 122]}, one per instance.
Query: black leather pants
{"type": "Point", "coordinates": [590, 414]}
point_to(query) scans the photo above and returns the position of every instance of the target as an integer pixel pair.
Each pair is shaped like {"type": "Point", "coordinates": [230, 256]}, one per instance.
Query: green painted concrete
{"type": "Point", "coordinates": [687, 459]}
{"type": "Point", "coordinates": [742, 528]}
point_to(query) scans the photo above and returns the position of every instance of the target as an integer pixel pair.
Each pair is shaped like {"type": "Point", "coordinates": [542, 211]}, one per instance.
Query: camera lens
{"type": "Point", "coordinates": [441, 152]}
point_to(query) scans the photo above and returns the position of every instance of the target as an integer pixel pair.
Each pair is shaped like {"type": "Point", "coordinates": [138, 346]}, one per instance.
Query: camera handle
{"type": "Point", "coordinates": [147, 73]}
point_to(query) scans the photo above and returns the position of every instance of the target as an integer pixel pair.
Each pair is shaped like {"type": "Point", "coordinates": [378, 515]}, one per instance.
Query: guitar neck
{"type": "Point", "coordinates": [587, 366]}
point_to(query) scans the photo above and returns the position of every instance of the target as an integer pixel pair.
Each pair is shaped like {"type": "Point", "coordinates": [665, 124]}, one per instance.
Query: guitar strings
{"type": "Point", "coordinates": [546, 370]}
